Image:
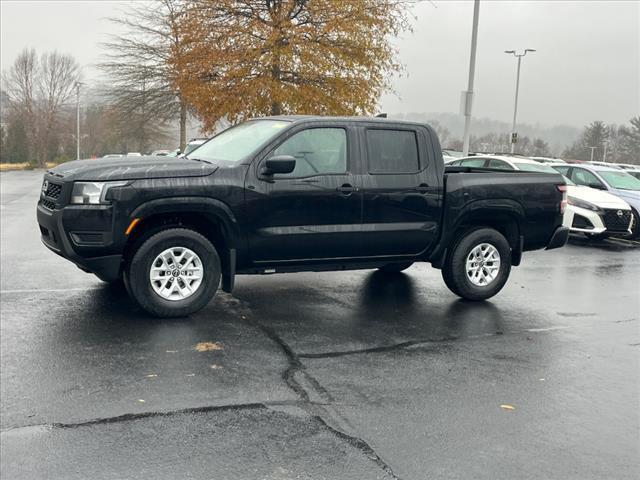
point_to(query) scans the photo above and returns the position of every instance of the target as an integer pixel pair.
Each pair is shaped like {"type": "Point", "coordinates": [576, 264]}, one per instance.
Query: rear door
{"type": "Point", "coordinates": [401, 190]}
{"type": "Point", "coordinates": [314, 212]}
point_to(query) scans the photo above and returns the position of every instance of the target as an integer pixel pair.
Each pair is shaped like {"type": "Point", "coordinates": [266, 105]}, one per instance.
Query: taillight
{"type": "Point", "coordinates": [563, 203]}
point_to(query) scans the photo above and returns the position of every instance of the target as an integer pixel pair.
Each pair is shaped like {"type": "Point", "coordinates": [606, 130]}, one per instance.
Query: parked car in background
{"type": "Point", "coordinates": [626, 166]}
{"type": "Point", "coordinates": [548, 160]}
{"type": "Point", "coordinates": [634, 173]}
{"type": "Point", "coordinates": [133, 154]}
{"type": "Point", "coordinates": [589, 211]}
{"type": "Point", "coordinates": [193, 144]}
{"type": "Point", "coordinates": [613, 180]}
{"type": "Point", "coordinates": [502, 162]}
{"type": "Point", "coordinates": [112, 155]}
{"type": "Point", "coordinates": [604, 164]}
{"type": "Point", "coordinates": [160, 153]}
{"type": "Point", "coordinates": [596, 213]}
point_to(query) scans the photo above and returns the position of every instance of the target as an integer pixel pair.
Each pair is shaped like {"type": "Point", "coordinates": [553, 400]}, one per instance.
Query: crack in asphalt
{"type": "Point", "coordinates": [380, 349]}
{"type": "Point", "coordinates": [314, 408]}
{"type": "Point", "coordinates": [137, 416]}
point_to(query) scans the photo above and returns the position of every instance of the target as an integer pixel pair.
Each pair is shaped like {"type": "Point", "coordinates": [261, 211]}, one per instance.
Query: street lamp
{"type": "Point", "coordinates": [514, 135]}
{"type": "Point", "coordinates": [77, 85]}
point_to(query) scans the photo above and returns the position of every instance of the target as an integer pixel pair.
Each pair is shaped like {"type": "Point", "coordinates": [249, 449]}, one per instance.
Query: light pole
{"type": "Point", "coordinates": [468, 95]}
{"type": "Point", "coordinates": [77, 85]}
{"type": "Point", "coordinates": [514, 135]}
{"type": "Point", "coordinates": [592, 150]}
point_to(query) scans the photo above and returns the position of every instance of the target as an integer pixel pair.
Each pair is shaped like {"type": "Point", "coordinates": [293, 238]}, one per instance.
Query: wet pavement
{"type": "Point", "coordinates": [350, 375]}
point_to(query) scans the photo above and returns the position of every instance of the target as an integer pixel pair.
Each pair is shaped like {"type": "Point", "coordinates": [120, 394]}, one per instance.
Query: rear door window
{"type": "Point", "coordinates": [392, 151]}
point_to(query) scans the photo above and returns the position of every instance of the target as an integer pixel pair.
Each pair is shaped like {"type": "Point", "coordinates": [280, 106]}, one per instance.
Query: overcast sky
{"type": "Point", "coordinates": [587, 64]}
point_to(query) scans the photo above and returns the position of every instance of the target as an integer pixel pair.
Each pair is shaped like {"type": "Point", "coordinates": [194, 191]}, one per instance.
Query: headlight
{"type": "Point", "coordinates": [92, 193]}
{"type": "Point", "coordinates": [583, 204]}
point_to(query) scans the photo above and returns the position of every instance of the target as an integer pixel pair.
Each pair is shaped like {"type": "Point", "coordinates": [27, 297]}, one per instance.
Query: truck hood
{"type": "Point", "coordinates": [132, 168]}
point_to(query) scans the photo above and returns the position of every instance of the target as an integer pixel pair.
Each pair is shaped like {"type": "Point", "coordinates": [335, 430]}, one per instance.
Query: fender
{"type": "Point", "coordinates": [479, 212]}
{"type": "Point", "coordinates": [219, 211]}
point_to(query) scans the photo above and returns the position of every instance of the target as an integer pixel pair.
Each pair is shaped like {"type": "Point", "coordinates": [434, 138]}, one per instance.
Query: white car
{"type": "Point", "coordinates": [547, 160]}
{"type": "Point", "coordinates": [593, 212]}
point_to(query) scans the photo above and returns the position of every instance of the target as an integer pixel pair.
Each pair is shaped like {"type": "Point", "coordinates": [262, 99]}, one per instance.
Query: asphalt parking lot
{"type": "Point", "coordinates": [353, 375]}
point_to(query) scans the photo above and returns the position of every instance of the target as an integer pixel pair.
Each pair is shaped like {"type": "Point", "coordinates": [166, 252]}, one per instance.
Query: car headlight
{"type": "Point", "coordinates": [583, 204]}
{"type": "Point", "coordinates": [92, 193]}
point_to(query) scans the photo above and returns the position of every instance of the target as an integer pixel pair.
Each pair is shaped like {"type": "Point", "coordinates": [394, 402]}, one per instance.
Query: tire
{"type": "Point", "coordinates": [596, 236]}
{"type": "Point", "coordinates": [395, 267]}
{"type": "Point", "coordinates": [196, 281]}
{"type": "Point", "coordinates": [483, 241]}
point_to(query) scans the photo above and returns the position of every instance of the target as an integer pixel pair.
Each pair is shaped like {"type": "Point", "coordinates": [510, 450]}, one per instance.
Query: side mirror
{"type": "Point", "coordinates": [597, 186]}
{"type": "Point", "coordinates": [279, 164]}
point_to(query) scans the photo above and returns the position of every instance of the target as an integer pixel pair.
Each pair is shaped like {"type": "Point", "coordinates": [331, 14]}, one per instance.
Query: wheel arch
{"type": "Point", "coordinates": [504, 215]}
{"type": "Point", "coordinates": [209, 217]}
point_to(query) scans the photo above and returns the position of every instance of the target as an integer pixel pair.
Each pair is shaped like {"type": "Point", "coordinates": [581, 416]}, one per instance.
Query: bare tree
{"type": "Point", "coordinates": [142, 81]}
{"type": "Point", "coordinates": [38, 91]}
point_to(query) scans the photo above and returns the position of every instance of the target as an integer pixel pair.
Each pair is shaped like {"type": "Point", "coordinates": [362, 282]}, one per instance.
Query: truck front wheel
{"type": "Point", "coordinates": [478, 265]}
{"type": "Point", "coordinates": [174, 273]}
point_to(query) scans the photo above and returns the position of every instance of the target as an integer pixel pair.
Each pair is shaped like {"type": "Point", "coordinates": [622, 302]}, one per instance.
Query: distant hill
{"type": "Point", "coordinates": [558, 137]}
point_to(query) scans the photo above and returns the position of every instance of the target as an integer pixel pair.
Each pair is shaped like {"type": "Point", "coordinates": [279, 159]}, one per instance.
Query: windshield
{"type": "Point", "coordinates": [621, 180]}
{"type": "Point", "coordinates": [535, 167]}
{"type": "Point", "coordinates": [235, 144]}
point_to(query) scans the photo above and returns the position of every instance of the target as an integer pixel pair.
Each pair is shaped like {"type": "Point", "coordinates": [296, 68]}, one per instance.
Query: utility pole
{"type": "Point", "coordinates": [592, 149]}
{"type": "Point", "coordinates": [604, 154]}
{"type": "Point", "coordinates": [514, 135]}
{"type": "Point", "coordinates": [468, 95]}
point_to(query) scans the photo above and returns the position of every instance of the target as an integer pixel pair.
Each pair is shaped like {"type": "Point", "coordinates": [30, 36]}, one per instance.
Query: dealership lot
{"type": "Point", "coordinates": [332, 375]}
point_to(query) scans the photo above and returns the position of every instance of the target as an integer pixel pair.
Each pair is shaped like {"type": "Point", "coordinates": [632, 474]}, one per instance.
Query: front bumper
{"type": "Point", "coordinates": [559, 238]}
{"type": "Point", "coordinates": [588, 221]}
{"type": "Point", "coordinates": [82, 245]}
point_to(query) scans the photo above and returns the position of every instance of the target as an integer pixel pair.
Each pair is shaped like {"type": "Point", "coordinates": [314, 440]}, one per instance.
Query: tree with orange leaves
{"type": "Point", "coordinates": [245, 58]}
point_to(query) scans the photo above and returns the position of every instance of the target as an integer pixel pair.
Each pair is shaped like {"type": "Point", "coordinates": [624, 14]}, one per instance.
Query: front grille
{"type": "Point", "coordinates": [615, 222]}
{"type": "Point", "coordinates": [53, 190]}
{"type": "Point", "coordinates": [48, 204]}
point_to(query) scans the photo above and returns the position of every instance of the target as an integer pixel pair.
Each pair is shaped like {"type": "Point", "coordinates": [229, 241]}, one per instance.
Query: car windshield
{"type": "Point", "coordinates": [535, 167]}
{"type": "Point", "coordinates": [236, 143]}
{"type": "Point", "coordinates": [621, 180]}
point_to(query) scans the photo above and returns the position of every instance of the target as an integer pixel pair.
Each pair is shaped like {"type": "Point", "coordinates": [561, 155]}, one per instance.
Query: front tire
{"type": "Point", "coordinates": [478, 265]}
{"type": "Point", "coordinates": [174, 273]}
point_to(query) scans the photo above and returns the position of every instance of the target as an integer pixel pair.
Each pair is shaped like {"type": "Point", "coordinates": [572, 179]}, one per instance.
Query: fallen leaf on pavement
{"type": "Point", "coordinates": [151, 375]}
{"type": "Point", "coordinates": [140, 400]}
{"type": "Point", "coordinates": [506, 406]}
{"type": "Point", "coordinates": [215, 366]}
{"type": "Point", "coordinates": [208, 346]}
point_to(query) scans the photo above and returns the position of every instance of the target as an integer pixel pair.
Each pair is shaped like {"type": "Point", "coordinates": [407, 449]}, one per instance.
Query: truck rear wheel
{"type": "Point", "coordinates": [174, 273]}
{"type": "Point", "coordinates": [478, 265]}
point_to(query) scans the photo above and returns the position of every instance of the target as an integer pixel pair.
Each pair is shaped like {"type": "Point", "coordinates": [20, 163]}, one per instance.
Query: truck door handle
{"type": "Point", "coordinates": [422, 188]}
{"type": "Point", "coordinates": [347, 189]}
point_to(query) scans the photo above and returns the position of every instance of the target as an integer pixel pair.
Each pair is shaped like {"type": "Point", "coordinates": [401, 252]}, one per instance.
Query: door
{"type": "Point", "coordinates": [314, 212]}
{"type": "Point", "coordinates": [401, 192]}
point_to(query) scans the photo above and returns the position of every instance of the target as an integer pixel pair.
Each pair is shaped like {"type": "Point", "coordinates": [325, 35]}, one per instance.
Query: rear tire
{"type": "Point", "coordinates": [195, 262]}
{"type": "Point", "coordinates": [478, 265]}
{"type": "Point", "coordinates": [395, 267]}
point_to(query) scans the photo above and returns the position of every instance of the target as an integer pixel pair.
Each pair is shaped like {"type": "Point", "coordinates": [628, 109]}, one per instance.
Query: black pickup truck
{"type": "Point", "coordinates": [295, 193]}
